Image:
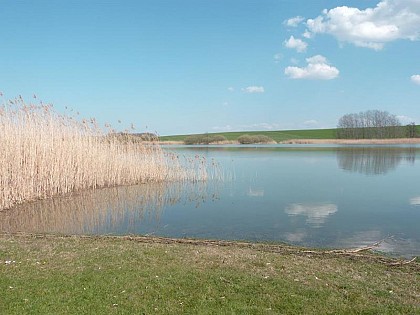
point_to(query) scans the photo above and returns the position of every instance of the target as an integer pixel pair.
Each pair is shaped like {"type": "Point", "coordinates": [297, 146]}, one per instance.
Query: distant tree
{"type": "Point", "coordinates": [371, 124]}
{"type": "Point", "coordinates": [411, 131]}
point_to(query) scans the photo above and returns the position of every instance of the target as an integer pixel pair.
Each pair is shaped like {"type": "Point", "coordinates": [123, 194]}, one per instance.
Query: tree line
{"type": "Point", "coordinates": [373, 124]}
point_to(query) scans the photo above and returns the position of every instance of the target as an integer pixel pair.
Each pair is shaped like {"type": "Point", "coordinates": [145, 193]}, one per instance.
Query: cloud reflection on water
{"type": "Point", "coordinates": [255, 192]}
{"type": "Point", "coordinates": [415, 201]}
{"type": "Point", "coordinates": [316, 213]}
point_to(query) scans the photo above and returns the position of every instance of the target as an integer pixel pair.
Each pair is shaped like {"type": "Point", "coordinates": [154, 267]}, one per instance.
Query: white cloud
{"type": "Point", "coordinates": [294, 21]}
{"type": "Point", "coordinates": [307, 34]}
{"type": "Point", "coordinates": [316, 213]}
{"type": "Point", "coordinates": [373, 27]}
{"type": "Point", "coordinates": [297, 44]}
{"type": "Point", "coordinates": [317, 68]}
{"type": "Point", "coordinates": [231, 89]}
{"type": "Point", "coordinates": [312, 123]}
{"type": "Point", "coordinates": [253, 89]}
{"type": "Point", "coordinates": [416, 79]}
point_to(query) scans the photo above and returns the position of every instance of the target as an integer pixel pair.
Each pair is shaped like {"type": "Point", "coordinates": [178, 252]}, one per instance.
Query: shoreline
{"type": "Point", "coordinates": [367, 253]}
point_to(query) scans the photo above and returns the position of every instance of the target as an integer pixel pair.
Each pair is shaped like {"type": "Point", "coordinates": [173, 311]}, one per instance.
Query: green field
{"type": "Point", "coordinates": [125, 275]}
{"type": "Point", "coordinates": [278, 136]}
{"type": "Point", "coordinates": [275, 135]}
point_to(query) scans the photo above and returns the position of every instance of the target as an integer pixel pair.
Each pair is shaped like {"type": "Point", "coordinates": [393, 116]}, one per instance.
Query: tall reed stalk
{"type": "Point", "coordinates": [43, 154]}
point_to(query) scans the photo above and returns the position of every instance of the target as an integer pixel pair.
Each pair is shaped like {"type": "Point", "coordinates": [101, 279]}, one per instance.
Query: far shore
{"type": "Point", "coordinates": [320, 141]}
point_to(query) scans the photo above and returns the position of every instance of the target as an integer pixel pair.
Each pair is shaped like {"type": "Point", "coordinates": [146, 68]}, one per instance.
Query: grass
{"type": "Point", "coordinates": [44, 154]}
{"type": "Point", "coordinates": [278, 136]}
{"type": "Point", "coordinates": [117, 275]}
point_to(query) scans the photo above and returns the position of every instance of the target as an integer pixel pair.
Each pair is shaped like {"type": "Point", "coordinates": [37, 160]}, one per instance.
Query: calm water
{"type": "Point", "coordinates": [319, 196]}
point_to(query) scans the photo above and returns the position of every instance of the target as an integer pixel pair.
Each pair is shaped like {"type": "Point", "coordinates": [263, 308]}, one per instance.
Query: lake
{"type": "Point", "coordinates": [327, 196]}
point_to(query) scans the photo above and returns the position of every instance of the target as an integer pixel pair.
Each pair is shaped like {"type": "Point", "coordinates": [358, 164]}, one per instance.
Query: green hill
{"type": "Point", "coordinates": [275, 135]}
{"type": "Point", "coordinates": [278, 135]}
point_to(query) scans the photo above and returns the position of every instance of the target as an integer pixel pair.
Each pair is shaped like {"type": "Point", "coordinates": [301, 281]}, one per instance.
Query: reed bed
{"type": "Point", "coordinates": [44, 154]}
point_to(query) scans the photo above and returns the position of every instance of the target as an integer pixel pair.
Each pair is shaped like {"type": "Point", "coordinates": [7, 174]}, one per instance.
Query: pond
{"type": "Point", "coordinates": [326, 196]}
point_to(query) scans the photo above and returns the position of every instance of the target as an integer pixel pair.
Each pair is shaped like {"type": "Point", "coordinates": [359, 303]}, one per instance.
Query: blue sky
{"type": "Point", "coordinates": [193, 66]}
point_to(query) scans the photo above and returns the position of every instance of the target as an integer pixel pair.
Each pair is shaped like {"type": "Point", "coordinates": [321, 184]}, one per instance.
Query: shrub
{"type": "Point", "coordinates": [204, 139]}
{"type": "Point", "coordinates": [252, 139]}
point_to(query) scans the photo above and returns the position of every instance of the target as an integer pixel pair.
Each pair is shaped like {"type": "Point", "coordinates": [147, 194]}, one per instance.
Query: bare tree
{"type": "Point", "coordinates": [371, 124]}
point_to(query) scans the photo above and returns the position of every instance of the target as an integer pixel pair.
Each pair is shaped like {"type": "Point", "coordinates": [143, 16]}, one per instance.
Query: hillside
{"type": "Point", "coordinates": [278, 135]}
{"type": "Point", "coordinates": [281, 135]}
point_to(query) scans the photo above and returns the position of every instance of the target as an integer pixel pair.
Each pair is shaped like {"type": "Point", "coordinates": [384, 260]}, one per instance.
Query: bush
{"type": "Point", "coordinates": [204, 139]}
{"type": "Point", "coordinates": [251, 139]}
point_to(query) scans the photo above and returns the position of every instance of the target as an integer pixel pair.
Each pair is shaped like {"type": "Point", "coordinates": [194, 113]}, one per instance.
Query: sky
{"type": "Point", "coordinates": [197, 66]}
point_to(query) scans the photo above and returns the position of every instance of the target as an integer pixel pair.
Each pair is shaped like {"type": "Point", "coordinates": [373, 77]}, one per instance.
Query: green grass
{"type": "Point", "coordinates": [78, 275]}
{"type": "Point", "coordinates": [278, 136]}
{"type": "Point", "coordinates": [275, 135]}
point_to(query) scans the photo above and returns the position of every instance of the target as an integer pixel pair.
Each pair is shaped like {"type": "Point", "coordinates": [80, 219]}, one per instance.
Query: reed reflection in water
{"type": "Point", "coordinates": [373, 160]}
{"type": "Point", "coordinates": [102, 211]}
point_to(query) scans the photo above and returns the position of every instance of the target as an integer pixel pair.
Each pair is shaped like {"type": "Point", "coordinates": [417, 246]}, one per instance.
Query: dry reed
{"type": "Point", "coordinates": [44, 154]}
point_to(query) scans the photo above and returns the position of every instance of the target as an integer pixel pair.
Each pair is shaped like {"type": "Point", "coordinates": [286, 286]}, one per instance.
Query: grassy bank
{"type": "Point", "coordinates": [105, 275]}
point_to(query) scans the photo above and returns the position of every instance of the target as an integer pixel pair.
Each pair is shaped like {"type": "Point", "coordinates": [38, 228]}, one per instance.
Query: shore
{"type": "Point", "coordinates": [133, 275]}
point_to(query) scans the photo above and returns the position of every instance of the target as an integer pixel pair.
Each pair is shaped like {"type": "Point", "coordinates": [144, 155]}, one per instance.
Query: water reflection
{"type": "Point", "coordinates": [373, 160]}
{"type": "Point", "coordinates": [274, 193]}
{"type": "Point", "coordinates": [391, 244]}
{"type": "Point", "coordinates": [295, 237]}
{"type": "Point", "coordinates": [102, 211]}
{"type": "Point", "coordinates": [316, 213]}
{"type": "Point", "coordinates": [255, 192]}
{"type": "Point", "coordinates": [415, 201]}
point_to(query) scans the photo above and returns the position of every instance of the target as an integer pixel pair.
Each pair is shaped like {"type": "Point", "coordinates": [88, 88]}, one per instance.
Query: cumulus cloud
{"type": "Point", "coordinates": [416, 79]}
{"type": "Point", "coordinates": [231, 89]}
{"type": "Point", "coordinates": [318, 68]}
{"type": "Point", "coordinates": [294, 21]}
{"type": "Point", "coordinates": [296, 43]}
{"type": "Point", "coordinates": [253, 89]}
{"type": "Point", "coordinates": [373, 27]}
